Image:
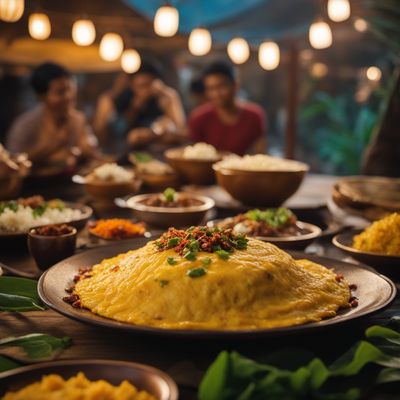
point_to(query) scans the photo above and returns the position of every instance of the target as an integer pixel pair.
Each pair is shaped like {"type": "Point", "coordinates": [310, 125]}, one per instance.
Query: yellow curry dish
{"type": "Point", "coordinates": [55, 387]}
{"type": "Point", "coordinates": [381, 237]}
{"type": "Point", "coordinates": [210, 278]}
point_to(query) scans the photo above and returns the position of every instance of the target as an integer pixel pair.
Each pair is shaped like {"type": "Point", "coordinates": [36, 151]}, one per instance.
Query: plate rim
{"type": "Point", "coordinates": [105, 322]}
{"type": "Point", "coordinates": [172, 385]}
{"type": "Point", "coordinates": [352, 250]}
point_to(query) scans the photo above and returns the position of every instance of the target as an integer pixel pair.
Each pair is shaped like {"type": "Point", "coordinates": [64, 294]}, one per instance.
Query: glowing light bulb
{"type": "Point", "coordinates": [238, 50]}
{"type": "Point", "coordinates": [39, 26]}
{"type": "Point", "coordinates": [111, 46]}
{"type": "Point", "coordinates": [320, 35]}
{"type": "Point", "coordinates": [319, 70]}
{"type": "Point", "coordinates": [11, 10]}
{"type": "Point", "coordinates": [130, 61]}
{"type": "Point", "coordinates": [374, 73]}
{"type": "Point", "coordinates": [360, 25]}
{"type": "Point", "coordinates": [339, 10]}
{"type": "Point", "coordinates": [83, 32]}
{"type": "Point", "coordinates": [269, 55]}
{"type": "Point", "coordinates": [200, 42]}
{"type": "Point", "coordinates": [166, 21]}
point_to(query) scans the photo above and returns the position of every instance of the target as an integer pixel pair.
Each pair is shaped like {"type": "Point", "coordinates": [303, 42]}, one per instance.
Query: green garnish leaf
{"type": "Point", "coordinates": [169, 194]}
{"type": "Point", "coordinates": [163, 282]}
{"type": "Point", "coordinates": [40, 210]}
{"type": "Point", "coordinates": [223, 254]}
{"type": "Point", "coordinates": [142, 156]}
{"type": "Point", "coordinates": [19, 294]}
{"type": "Point", "coordinates": [191, 256]}
{"type": "Point", "coordinates": [171, 261]}
{"type": "Point", "coordinates": [196, 272]}
{"type": "Point", "coordinates": [174, 241]}
{"type": "Point", "coordinates": [37, 345]}
{"type": "Point", "coordinates": [7, 364]}
{"type": "Point", "coordinates": [206, 261]}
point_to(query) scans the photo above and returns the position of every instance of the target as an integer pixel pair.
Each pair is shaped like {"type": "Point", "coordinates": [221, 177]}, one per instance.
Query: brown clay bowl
{"type": "Point", "coordinates": [165, 217]}
{"type": "Point", "coordinates": [159, 182]}
{"type": "Point", "coordinates": [48, 250]}
{"type": "Point", "coordinates": [143, 377]}
{"type": "Point", "coordinates": [260, 188]}
{"type": "Point", "coordinates": [194, 171]}
{"type": "Point", "coordinates": [108, 191]}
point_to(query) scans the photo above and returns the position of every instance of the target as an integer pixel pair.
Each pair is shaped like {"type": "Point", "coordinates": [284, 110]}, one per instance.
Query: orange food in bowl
{"type": "Point", "coordinates": [117, 228]}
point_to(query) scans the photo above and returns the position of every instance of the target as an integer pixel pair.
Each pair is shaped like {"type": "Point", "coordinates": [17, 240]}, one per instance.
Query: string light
{"type": "Point", "coordinates": [320, 35]}
{"type": "Point", "coordinates": [111, 46]}
{"type": "Point", "coordinates": [83, 32]}
{"type": "Point", "coordinates": [39, 26]}
{"type": "Point", "coordinates": [166, 21]}
{"type": "Point", "coordinates": [130, 61]}
{"type": "Point", "coordinates": [200, 42]}
{"type": "Point", "coordinates": [238, 50]}
{"type": "Point", "coordinates": [360, 25]}
{"type": "Point", "coordinates": [374, 73]}
{"type": "Point", "coordinates": [269, 55]}
{"type": "Point", "coordinates": [11, 10]}
{"type": "Point", "coordinates": [339, 10]}
{"type": "Point", "coordinates": [319, 70]}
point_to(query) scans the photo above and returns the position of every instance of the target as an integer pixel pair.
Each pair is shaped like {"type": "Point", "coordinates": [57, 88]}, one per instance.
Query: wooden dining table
{"type": "Point", "coordinates": [184, 359]}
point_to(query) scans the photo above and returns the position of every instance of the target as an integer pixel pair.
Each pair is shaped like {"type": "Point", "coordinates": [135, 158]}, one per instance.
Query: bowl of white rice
{"type": "Point", "coordinates": [260, 180]}
{"type": "Point", "coordinates": [194, 163]}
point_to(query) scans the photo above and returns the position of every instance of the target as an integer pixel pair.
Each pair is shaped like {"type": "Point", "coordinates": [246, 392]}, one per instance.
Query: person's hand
{"type": "Point", "coordinates": [162, 91]}
{"type": "Point", "coordinates": [140, 136]}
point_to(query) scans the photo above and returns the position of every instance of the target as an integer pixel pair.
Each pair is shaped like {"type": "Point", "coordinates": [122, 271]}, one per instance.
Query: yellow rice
{"type": "Point", "coordinates": [382, 236]}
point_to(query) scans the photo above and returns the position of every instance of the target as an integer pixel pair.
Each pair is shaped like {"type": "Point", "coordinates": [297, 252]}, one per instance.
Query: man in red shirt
{"type": "Point", "coordinates": [226, 122]}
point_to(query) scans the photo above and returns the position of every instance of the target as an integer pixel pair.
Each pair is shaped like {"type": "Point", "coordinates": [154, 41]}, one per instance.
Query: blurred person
{"type": "Point", "coordinates": [54, 133]}
{"type": "Point", "coordinates": [227, 122]}
{"type": "Point", "coordinates": [197, 92]}
{"type": "Point", "coordinates": [146, 114]}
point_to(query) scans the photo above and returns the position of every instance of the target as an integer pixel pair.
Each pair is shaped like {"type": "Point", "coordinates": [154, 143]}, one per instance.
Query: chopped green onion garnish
{"type": "Point", "coordinates": [196, 272]}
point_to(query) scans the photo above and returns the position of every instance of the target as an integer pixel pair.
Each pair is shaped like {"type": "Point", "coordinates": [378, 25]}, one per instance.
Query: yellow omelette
{"type": "Point", "coordinates": [257, 287]}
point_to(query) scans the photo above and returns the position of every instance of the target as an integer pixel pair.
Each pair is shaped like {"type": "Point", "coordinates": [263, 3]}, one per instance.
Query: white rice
{"type": "Point", "coordinates": [112, 172]}
{"type": "Point", "coordinates": [23, 219]}
{"type": "Point", "coordinates": [200, 151]}
{"type": "Point", "coordinates": [260, 162]}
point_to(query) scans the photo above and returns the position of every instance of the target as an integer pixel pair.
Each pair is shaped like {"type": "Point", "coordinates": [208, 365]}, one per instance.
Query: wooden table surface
{"type": "Point", "coordinates": [185, 360]}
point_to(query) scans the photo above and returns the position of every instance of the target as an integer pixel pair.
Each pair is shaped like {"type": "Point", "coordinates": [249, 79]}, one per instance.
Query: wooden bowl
{"type": "Point", "coordinates": [107, 191]}
{"type": "Point", "coordinates": [141, 376]}
{"type": "Point", "coordinates": [159, 182]}
{"type": "Point", "coordinates": [260, 188]}
{"type": "Point", "coordinates": [194, 171]}
{"type": "Point", "coordinates": [165, 217]}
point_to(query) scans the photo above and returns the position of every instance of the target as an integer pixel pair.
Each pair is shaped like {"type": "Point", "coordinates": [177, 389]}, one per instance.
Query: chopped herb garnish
{"type": "Point", "coordinates": [206, 261]}
{"type": "Point", "coordinates": [163, 282]}
{"type": "Point", "coordinates": [39, 211]}
{"type": "Point", "coordinates": [196, 272]}
{"type": "Point", "coordinates": [173, 241]}
{"type": "Point", "coordinates": [275, 218]}
{"type": "Point", "coordinates": [171, 261]}
{"type": "Point", "coordinates": [188, 243]}
{"type": "Point", "coordinates": [223, 254]}
{"type": "Point", "coordinates": [191, 255]}
{"type": "Point", "coordinates": [169, 194]}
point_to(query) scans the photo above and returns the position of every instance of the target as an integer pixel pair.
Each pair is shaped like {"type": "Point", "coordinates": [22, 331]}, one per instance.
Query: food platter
{"type": "Point", "coordinates": [141, 376]}
{"type": "Point", "coordinates": [374, 292]}
{"type": "Point", "coordinates": [298, 242]}
{"type": "Point", "coordinates": [388, 263]}
{"type": "Point", "coordinates": [86, 213]}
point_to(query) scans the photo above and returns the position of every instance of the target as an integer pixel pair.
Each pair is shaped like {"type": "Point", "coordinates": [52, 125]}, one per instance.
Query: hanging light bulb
{"type": "Point", "coordinates": [374, 73]}
{"type": "Point", "coordinates": [238, 50]}
{"type": "Point", "coordinates": [166, 21]}
{"type": "Point", "coordinates": [269, 55]}
{"type": "Point", "coordinates": [39, 26]}
{"type": "Point", "coordinates": [320, 35]}
{"type": "Point", "coordinates": [200, 42]}
{"type": "Point", "coordinates": [111, 46]}
{"type": "Point", "coordinates": [360, 25]}
{"type": "Point", "coordinates": [130, 61]}
{"type": "Point", "coordinates": [339, 10]}
{"type": "Point", "coordinates": [319, 70]}
{"type": "Point", "coordinates": [83, 32]}
{"type": "Point", "coordinates": [11, 10]}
